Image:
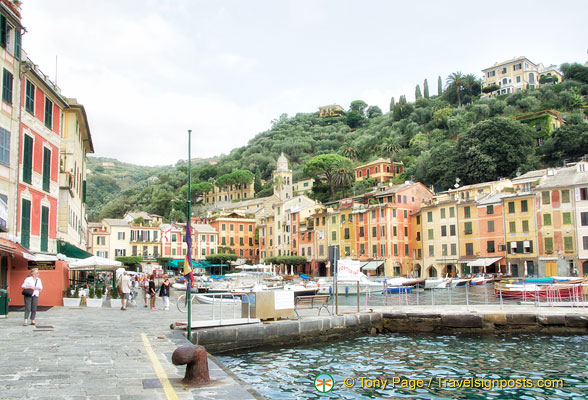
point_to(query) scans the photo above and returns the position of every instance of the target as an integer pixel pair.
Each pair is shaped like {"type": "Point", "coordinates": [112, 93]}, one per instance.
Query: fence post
{"type": "Point", "coordinates": [467, 295]}
{"type": "Point", "coordinates": [358, 294]}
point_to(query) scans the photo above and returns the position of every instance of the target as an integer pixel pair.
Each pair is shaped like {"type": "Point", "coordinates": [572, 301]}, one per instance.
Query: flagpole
{"type": "Point", "coordinates": [189, 221]}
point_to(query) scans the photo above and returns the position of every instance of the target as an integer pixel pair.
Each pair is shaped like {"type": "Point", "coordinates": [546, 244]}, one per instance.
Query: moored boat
{"type": "Point", "coordinates": [538, 291]}
{"type": "Point", "coordinates": [399, 289]}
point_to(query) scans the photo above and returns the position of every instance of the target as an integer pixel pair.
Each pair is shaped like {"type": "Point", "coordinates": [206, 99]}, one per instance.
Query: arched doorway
{"type": "Point", "coordinates": [416, 271]}
{"type": "Point", "coordinates": [450, 271]}
{"type": "Point", "coordinates": [432, 272]}
{"type": "Point", "coordinates": [322, 269]}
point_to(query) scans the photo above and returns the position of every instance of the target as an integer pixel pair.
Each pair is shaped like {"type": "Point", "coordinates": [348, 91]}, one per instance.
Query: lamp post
{"type": "Point", "coordinates": [189, 221]}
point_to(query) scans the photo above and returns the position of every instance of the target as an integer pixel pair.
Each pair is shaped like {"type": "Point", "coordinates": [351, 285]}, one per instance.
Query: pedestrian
{"type": "Point", "coordinates": [164, 292]}
{"type": "Point", "coordinates": [145, 287]}
{"type": "Point", "coordinates": [152, 293]}
{"type": "Point", "coordinates": [32, 286]}
{"type": "Point", "coordinates": [124, 288]}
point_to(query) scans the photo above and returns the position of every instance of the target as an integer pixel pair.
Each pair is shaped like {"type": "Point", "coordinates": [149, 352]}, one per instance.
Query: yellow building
{"type": "Point", "coordinates": [346, 230]}
{"type": "Point", "coordinates": [76, 143]}
{"type": "Point", "coordinates": [416, 241]}
{"type": "Point", "coordinates": [230, 193]}
{"type": "Point", "coordinates": [379, 169]}
{"type": "Point", "coordinates": [514, 75]}
{"type": "Point", "coordinates": [468, 234]}
{"type": "Point", "coordinates": [303, 186]}
{"type": "Point", "coordinates": [332, 110]}
{"type": "Point", "coordinates": [439, 233]}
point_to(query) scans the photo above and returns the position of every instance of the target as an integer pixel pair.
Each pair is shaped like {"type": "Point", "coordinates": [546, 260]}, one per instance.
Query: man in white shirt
{"type": "Point", "coordinates": [125, 289]}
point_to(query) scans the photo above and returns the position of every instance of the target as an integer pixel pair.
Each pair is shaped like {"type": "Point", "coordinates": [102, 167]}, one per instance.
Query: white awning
{"type": "Point", "coordinates": [484, 262]}
{"type": "Point", "coordinates": [95, 263]}
{"type": "Point", "coordinates": [372, 265]}
{"type": "Point", "coordinates": [39, 257]}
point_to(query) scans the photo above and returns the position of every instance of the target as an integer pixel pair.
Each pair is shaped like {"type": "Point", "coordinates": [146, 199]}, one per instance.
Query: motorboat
{"type": "Point", "coordinates": [326, 286]}
{"type": "Point", "coordinates": [399, 289]}
{"type": "Point", "coordinates": [455, 282]}
{"type": "Point", "coordinates": [301, 289]}
{"type": "Point", "coordinates": [438, 283]}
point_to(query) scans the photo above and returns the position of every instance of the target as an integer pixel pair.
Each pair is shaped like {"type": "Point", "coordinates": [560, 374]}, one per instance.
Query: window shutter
{"type": "Point", "coordinates": [25, 223]}
{"type": "Point", "coordinates": [27, 159]}
{"type": "Point", "coordinates": [17, 43]}
{"type": "Point", "coordinates": [46, 169]}
{"type": "Point", "coordinates": [44, 228]}
{"type": "Point", "coordinates": [2, 31]}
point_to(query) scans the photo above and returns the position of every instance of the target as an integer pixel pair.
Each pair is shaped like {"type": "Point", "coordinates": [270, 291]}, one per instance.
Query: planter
{"type": "Point", "coordinates": [96, 303]}
{"type": "Point", "coordinates": [115, 303]}
{"type": "Point", "coordinates": [71, 301]}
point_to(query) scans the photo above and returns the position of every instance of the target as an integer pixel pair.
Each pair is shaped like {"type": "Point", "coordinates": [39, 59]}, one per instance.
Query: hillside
{"type": "Point", "coordinates": [437, 140]}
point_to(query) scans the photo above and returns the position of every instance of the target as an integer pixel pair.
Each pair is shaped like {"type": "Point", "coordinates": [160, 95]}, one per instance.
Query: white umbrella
{"type": "Point", "coordinates": [95, 262]}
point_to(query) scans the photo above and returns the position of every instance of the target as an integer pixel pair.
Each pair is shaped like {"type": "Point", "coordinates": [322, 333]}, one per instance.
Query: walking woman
{"type": "Point", "coordinates": [152, 293]}
{"type": "Point", "coordinates": [164, 292]}
{"type": "Point", "coordinates": [32, 286]}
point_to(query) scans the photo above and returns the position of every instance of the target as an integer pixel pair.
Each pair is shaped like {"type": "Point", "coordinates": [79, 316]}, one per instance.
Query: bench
{"type": "Point", "coordinates": [307, 302]}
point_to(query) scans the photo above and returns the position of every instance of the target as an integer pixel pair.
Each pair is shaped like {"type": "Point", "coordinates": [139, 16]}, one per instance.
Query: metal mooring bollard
{"type": "Point", "coordinates": [196, 361]}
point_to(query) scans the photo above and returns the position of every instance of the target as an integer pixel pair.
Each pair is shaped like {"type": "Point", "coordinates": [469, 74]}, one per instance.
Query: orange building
{"type": "Point", "coordinates": [492, 246]}
{"type": "Point", "coordinates": [379, 169]}
{"type": "Point", "coordinates": [236, 233]}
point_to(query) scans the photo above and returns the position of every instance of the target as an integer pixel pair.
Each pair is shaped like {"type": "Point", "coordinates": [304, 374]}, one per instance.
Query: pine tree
{"type": "Point", "coordinates": [417, 93]}
{"type": "Point", "coordinates": [439, 86]}
{"type": "Point", "coordinates": [402, 100]}
{"type": "Point", "coordinates": [257, 186]}
{"type": "Point", "coordinates": [392, 103]}
{"type": "Point", "coordinates": [426, 89]}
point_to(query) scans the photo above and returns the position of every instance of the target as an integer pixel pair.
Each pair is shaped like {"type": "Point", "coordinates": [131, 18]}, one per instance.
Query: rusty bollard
{"type": "Point", "coordinates": [196, 361]}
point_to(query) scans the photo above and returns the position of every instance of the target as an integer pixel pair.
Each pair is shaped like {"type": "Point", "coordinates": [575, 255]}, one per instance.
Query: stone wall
{"type": "Point", "coordinates": [490, 322]}
{"type": "Point", "coordinates": [294, 332]}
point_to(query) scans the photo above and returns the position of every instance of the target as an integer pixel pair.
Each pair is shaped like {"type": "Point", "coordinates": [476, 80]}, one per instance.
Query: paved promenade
{"type": "Point", "coordinates": [101, 353]}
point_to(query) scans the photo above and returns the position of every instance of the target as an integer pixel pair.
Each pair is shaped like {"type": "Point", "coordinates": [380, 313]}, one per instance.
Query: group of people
{"type": "Point", "coordinates": [32, 287]}
{"type": "Point", "coordinates": [150, 291]}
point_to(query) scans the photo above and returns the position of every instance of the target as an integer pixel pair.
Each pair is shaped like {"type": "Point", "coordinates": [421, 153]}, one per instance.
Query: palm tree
{"type": "Point", "coordinates": [390, 145]}
{"type": "Point", "coordinates": [456, 78]}
{"type": "Point", "coordinates": [350, 151]}
{"type": "Point", "coordinates": [343, 177]}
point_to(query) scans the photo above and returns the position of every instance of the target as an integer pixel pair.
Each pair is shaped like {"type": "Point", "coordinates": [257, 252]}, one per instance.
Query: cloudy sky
{"type": "Point", "coordinates": [147, 71]}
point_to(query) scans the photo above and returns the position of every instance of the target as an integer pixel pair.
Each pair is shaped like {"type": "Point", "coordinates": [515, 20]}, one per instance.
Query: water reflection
{"type": "Point", "coordinates": [289, 372]}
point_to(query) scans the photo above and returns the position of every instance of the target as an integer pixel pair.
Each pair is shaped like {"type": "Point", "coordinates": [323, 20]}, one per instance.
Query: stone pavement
{"type": "Point", "coordinates": [99, 353]}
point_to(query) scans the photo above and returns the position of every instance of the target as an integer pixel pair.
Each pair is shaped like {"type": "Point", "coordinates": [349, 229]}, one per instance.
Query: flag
{"type": "Point", "coordinates": [188, 263]}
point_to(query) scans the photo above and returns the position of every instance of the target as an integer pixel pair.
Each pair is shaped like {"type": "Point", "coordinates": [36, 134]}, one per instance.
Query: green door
{"type": "Point", "coordinates": [3, 272]}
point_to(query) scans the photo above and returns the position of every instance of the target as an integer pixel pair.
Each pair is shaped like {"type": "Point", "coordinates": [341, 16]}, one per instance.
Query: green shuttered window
{"type": "Point", "coordinates": [27, 162]}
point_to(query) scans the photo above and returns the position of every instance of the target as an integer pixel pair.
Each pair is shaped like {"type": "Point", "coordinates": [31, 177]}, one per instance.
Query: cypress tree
{"type": "Point", "coordinates": [426, 89]}
{"type": "Point", "coordinates": [402, 100]}
{"type": "Point", "coordinates": [392, 103]}
{"type": "Point", "coordinates": [439, 86]}
{"type": "Point", "coordinates": [417, 93]}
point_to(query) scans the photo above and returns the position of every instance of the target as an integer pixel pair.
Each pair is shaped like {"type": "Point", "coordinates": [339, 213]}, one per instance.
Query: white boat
{"type": "Point", "coordinates": [437, 283]}
{"type": "Point", "coordinates": [301, 289]}
{"type": "Point", "coordinates": [217, 298]}
{"type": "Point", "coordinates": [326, 286]}
{"type": "Point", "coordinates": [459, 282]}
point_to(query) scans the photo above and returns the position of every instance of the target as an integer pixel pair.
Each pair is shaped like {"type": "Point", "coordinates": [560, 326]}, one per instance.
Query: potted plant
{"type": "Point", "coordinates": [115, 302]}
{"type": "Point", "coordinates": [72, 297]}
{"type": "Point", "coordinates": [94, 298]}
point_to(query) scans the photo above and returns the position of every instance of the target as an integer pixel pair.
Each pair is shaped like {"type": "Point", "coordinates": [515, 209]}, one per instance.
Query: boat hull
{"type": "Point", "coordinates": [553, 292]}
{"type": "Point", "coordinates": [399, 289]}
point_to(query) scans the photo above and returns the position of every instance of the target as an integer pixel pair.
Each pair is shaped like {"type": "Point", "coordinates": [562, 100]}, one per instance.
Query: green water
{"type": "Point", "coordinates": [289, 373]}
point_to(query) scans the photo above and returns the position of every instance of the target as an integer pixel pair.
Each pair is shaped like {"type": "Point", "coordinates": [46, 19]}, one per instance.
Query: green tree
{"type": "Point", "coordinates": [350, 151]}
{"type": "Point", "coordinates": [492, 149]}
{"type": "Point", "coordinates": [391, 146]}
{"type": "Point", "coordinates": [257, 186]}
{"type": "Point", "coordinates": [570, 142]}
{"type": "Point", "coordinates": [426, 89]}
{"type": "Point", "coordinates": [359, 106]}
{"type": "Point", "coordinates": [344, 177]}
{"type": "Point", "coordinates": [417, 93]}
{"type": "Point", "coordinates": [392, 103]}
{"type": "Point", "coordinates": [576, 72]}
{"type": "Point", "coordinates": [374, 111]}
{"type": "Point", "coordinates": [327, 165]}
{"type": "Point", "coordinates": [454, 81]}
{"type": "Point", "coordinates": [439, 86]}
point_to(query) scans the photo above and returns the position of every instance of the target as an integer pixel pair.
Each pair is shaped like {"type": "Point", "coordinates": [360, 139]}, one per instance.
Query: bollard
{"type": "Point", "coordinates": [196, 361]}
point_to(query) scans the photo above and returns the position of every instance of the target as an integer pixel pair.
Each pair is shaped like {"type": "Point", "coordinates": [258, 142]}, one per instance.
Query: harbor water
{"type": "Point", "coordinates": [439, 361]}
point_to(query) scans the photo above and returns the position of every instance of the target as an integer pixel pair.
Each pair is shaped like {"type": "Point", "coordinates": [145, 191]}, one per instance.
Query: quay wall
{"type": "Point", "coordinates": [290, 332]}
{"type": "Point", "coordinates": [486, 322]}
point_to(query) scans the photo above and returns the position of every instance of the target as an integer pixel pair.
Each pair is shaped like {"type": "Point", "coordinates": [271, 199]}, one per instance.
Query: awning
{"type": "Point", "coordinates": [69, 250]}
{"type": "Point", "coordinates": [372, 265]}
{"type": "Point", "coordinates": [39, 257]}
{"type": "Point", "coordinates": [484, 262]}
{"type": "Point", "coordinates": [176, 264]}
{"type": "Point", "coordinates": [95, 263]}
{"type": "Point", "coordinates": [14, 248]}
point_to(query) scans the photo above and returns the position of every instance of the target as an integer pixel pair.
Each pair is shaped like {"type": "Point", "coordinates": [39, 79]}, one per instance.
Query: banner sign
{"type": "Point", "coordinates": [348, 270]}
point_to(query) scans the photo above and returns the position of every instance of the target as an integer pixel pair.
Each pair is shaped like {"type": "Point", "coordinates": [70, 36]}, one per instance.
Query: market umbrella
{"type": "Point", "coordinates": [96, 263]}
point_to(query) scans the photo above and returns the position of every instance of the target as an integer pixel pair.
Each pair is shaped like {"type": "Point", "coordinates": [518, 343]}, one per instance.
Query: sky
{"type": "Point", "coordinates": [147, 71]}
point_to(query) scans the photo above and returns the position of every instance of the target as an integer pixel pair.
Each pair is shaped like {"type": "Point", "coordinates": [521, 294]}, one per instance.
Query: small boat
{"type": "Point", "coordinates": [399, 289]}
{"type": "Point", "coordinates": [299, 289]}
{"type": "Point", "coordinates": [455, 282]}
{"type": "Point", "coordinates": [439, 283]}
{"type": "Point", "coordinates": [478, 280]}
{"type": "Point", "coordinates": [217, 298]}
{"type": "Point", "coordinates": [553, 292]}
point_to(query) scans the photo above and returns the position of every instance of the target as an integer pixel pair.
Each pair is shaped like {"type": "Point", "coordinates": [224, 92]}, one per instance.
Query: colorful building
{"type": "Point", "coordinates": [236, 233]}
{"type": "Point", "coordinates": [38, 187]}
{"type": "Point", "coordinates": [76, 143]}
{"type": "Point", "coordinates": [205, 241]}
{"type": "Point", "coordinates": [379, 169]}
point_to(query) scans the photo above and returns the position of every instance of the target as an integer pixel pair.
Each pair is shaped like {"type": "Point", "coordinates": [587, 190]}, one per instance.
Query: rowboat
{"type": "Point", "coordinates": [225, 298]}
{"type": "Point", "coordinates": [535, 291]}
